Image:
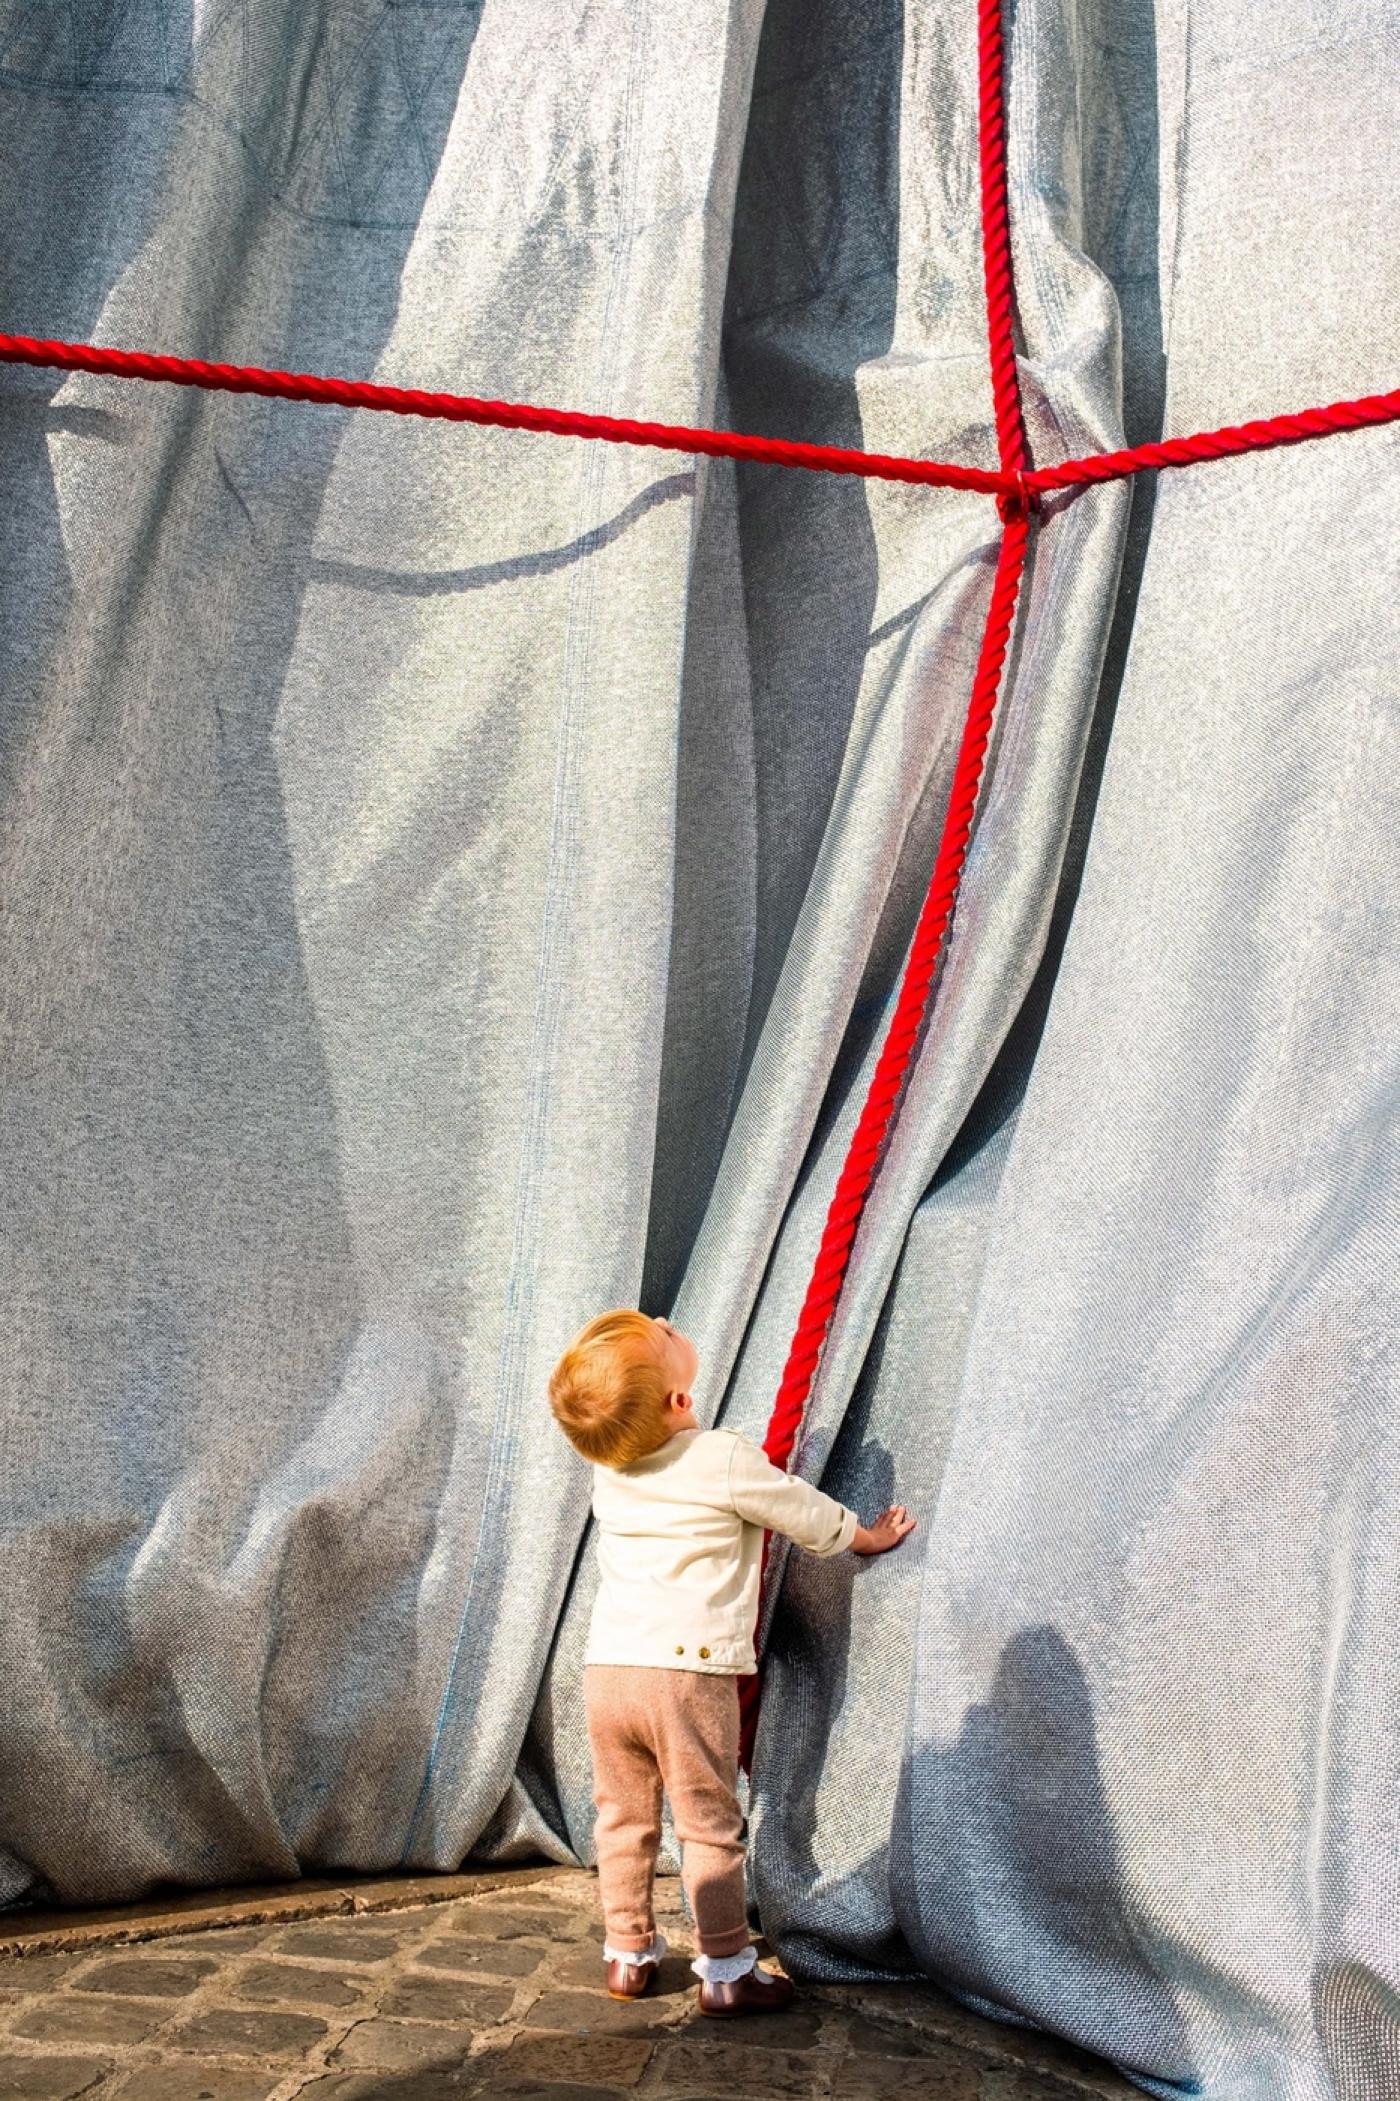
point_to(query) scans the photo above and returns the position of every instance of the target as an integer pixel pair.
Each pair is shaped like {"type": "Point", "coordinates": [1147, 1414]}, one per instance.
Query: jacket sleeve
{"type": "Point", "coordinates": [763, 1494]}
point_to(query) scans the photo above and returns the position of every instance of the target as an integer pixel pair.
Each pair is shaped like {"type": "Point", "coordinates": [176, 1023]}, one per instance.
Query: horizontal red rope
{"type": "Point", "coordinates": [1260, 436]}
{"type": "Point", "coordinates": [506, 415]}
{"type": "Point", "coordinates": [718, 444]}
{"type": "Point", "coordinates": [877, 1115]}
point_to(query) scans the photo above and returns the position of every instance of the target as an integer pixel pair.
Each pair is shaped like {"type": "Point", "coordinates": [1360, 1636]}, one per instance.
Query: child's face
{"type": "Point", "coordinates": [680, 1360]}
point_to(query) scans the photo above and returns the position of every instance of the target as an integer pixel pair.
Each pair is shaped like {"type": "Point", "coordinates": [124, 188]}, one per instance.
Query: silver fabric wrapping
{"type": "Point", "coordinates": [456, 880]}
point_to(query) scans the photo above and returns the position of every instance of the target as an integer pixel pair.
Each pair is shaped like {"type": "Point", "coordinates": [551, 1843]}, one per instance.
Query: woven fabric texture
{"type": "Point", "coordinates": [455, 880]}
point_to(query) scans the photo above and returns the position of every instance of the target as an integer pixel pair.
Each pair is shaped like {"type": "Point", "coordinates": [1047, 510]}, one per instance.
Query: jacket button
{"type": "Point", "coordinates": [704, 1652]}
{"type": "Point", "coordinates": [679, 1650]}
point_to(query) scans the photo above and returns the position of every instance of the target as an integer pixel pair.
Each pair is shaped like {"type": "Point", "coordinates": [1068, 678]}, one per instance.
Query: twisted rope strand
{"type": "Point", "coordinates": [1257, 436]}
{"type": "Point", "coordinates": [876, 1116]}
{"type": "Point", "coordinates": [996, 239]}
{"type": "Point", "coordinates": [1262, 435]}
{"type": "Point", "coordinates": [1016, 487]}
{"type": "Point", "coordinates": [878, 1112]}
{"type": "Point", "coordinates": [506, 415]}
{"type": "Point", "coordinates": [1014, 504]}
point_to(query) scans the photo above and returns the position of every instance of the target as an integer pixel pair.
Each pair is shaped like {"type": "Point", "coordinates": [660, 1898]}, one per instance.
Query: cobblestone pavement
{"type": "Point", "coordinates": [492, 1992]}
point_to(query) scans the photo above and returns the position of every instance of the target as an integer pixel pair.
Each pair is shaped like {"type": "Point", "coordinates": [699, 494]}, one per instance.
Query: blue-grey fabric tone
{"type": "Point", "coordinates": [456, 880]}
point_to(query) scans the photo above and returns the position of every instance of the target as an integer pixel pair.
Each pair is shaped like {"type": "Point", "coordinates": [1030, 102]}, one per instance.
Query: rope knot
{"type": "Point", "coordinates": [1021, 502]}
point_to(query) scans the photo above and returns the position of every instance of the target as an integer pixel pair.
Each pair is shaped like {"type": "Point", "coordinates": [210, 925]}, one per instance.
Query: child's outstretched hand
{"type": "Point", "coordinates": [889, 1528]}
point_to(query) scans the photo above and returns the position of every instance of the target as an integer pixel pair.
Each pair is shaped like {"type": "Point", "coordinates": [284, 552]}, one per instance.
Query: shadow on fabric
{"type": "Point", "coordinates": [184, 1143]}
{"type": "Point", "coordinates": [1015, 1896]}
{"type": "Point", "coordinates": [809, 1655]}
{"type": "Point", "coordinates": [811, 299]}
{"type": "Point", "coordinates": [1120, 233]}
{"type": "Point", "coordinates": [1357, 2013]}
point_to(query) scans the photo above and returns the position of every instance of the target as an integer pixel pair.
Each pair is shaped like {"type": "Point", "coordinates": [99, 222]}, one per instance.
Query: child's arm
{"type": "Point", "coordinates": [764, 1495]}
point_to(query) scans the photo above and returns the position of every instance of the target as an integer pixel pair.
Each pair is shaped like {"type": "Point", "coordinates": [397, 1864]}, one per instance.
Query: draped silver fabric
{"type": "Point", "coordinates": [457, 880]}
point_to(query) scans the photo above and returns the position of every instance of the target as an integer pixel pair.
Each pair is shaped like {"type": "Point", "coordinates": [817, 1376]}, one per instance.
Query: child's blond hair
{"type": "Point", "coordinates": [608, 1390]}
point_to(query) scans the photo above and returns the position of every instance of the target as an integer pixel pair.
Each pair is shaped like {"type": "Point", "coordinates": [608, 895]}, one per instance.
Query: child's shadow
{"type": "Point", "coordinates": [675, 1978]}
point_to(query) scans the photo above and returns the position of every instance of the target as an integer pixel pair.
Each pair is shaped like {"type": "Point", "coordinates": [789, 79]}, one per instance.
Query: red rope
{"type": "Point", "coordinates": [856, 1176]}
{"type": "Point", "coordinates": [996, 240]}
{"type": "Point", "coordinates": [880, 1107]}
{"type": "Point", "coordinates": [1016, 487]}
{"type": "Point", "coordinates": [877, 1115]}
{"type": "Point", "coordinates": [1259, 436]}
{"type": "Point", "coordinates": [911, 1005]}
{"type": "Point", "coordinates": [1013, 486]}
{"type": "Point", "coordinates": [507, 415]}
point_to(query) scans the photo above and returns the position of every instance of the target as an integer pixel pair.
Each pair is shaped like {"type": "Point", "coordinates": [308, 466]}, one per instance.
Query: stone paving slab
{"type": "Point", "coordinates": [33, 1933]}
{"type": "Point", "coordinates": [488, 1985]}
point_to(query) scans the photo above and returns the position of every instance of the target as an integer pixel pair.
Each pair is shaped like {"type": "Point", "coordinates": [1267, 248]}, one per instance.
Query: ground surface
{"type": "Point", "coordinates": [441, 1988]}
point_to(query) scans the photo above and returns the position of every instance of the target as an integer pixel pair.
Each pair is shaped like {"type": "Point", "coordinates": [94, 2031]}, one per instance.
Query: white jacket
{"type": "Point", "coordinates": [680, 1539]}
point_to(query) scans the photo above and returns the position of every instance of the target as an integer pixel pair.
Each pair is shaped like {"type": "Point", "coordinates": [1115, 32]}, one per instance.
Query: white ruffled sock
{"type": "Point", "coordinates": [725, 1969]}
{"type": "Point", "coordinates": [636, 1956]}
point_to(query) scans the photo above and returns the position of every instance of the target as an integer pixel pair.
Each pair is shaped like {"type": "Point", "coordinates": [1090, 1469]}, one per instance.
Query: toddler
{"type": "Point", "coordinates": [681, 1514]}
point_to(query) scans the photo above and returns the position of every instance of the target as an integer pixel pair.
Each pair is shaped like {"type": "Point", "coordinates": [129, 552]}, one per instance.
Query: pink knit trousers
{"type": "Point", "coordinates": [674, 1731]}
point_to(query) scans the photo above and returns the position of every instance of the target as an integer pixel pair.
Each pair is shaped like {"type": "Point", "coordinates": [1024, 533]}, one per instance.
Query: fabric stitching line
{"type": "Point", "coordinates": [334, 86]}
{"type": "Point", "coordinates": [393, 16]}
{"type": "Point", "coordinates": [1180, 158]}
{"type": "Point", "coordinates": [166, 80]}
{"type": "Point", "coordinates": [335, 90]}
{"type": "Point", "coordinates": [350, 219]}
{"type": "Point", "coordinates": [1346, 735]}
{"type": "Point", "coordinates": [350, 216]}
{"type": "Point", "coordinates": [536, 1111]}
{"type": "Point", "coordinates": [549, 1003]}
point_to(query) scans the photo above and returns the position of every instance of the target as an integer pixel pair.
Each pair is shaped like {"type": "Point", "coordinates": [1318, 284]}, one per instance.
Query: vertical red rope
{"type": "Point", "coordinates": [880, 1108]}
{"type": "Point", "coordinates": [996, 237]}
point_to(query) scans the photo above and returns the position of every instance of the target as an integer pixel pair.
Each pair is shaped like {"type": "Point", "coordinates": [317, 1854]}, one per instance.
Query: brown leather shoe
{"type": "Point", "coordinates": [630, 1980]}
{"type": "Point", "coordinates": [761, 1991]}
